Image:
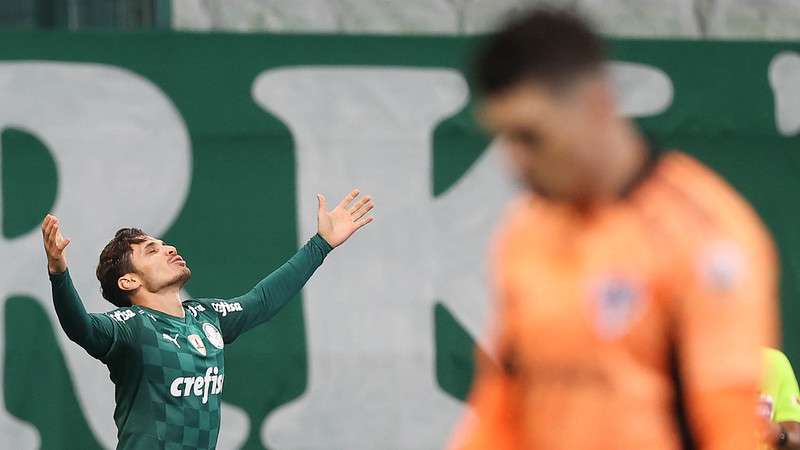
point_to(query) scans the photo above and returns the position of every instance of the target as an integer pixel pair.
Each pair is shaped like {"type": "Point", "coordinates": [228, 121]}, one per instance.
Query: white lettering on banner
{"type": "Point", "coordinates": [369, 128]}
{"type": "Point", "coordinates": [372, 128]}
{"type": "Point", "coordinates": [104, 127]}
{"type": "Point", "coordinates": [784, 73]}
{"type": "Point", "coordinates": [235, 429]}
{"type": "Point", "coordinates": [640, 90]}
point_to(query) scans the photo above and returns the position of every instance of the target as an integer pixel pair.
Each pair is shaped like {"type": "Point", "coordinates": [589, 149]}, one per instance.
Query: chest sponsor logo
{"type": "Point", "coordinates": [213, 335]}
{"type": "Point", "coordinates": [174, 340]}
{"type": "Point", "coordinates": [202, 386]}
{"type": "Point", "coordinates": [615, 303]}
{"type": "Point", "coordinates": [197, 343]}
{"type": "Point", "coordinates": [223, 308]}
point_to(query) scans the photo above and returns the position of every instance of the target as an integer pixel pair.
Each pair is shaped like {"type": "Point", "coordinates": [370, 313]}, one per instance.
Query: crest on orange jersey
{"type": "Point", "coordinates": [615, 302]}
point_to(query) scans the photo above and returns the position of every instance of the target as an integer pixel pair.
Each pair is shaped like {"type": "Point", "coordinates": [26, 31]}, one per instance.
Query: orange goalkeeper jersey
{"type": "Point", "coordinates": [612, 320]}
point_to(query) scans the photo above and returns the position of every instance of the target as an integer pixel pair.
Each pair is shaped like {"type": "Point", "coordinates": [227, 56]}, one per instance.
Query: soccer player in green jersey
{"type": "Point", "coordinates": [780, 401]}
{"type": "Point", "coordinates": [165, 355]}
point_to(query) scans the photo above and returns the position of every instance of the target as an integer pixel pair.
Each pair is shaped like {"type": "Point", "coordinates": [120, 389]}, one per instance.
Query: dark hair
{"type": "Point", "coordinates": [553, 46]}
{"type": "Point", "coordinates": [115, 261]}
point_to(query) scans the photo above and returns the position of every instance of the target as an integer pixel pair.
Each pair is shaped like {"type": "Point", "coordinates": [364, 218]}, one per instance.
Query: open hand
{"type": "Point", "coordinates": [337, 225]}
{"type": "Point", "coordinates": [54, 244]}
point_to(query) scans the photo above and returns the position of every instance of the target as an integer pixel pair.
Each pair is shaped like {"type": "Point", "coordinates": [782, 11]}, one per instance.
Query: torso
{"type": "Point", "coordinates": [589, 298]}
{"type": "Point", "coordinates": [168, 382]}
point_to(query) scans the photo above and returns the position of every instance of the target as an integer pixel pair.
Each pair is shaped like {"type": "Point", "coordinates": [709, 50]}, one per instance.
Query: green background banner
{"type": "Point", "coordinates": [239, 218]}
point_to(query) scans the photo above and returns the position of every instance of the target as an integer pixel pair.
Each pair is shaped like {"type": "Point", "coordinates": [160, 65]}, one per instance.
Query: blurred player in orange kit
{"type": "Point", "coordinates": [634, 288]}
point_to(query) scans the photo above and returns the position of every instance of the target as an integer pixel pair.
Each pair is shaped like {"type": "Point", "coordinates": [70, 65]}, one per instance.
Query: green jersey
{"type": "Point", "coordinates": [780, 396]}
{"type": "Point", "coordinates": [168, 372]}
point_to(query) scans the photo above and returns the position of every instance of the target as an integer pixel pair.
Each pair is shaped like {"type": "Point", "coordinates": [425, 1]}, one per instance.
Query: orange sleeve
{"type": "Point", "coordinates": [493, 422]}
{"type": "Point", "coordinates": [726, 311]}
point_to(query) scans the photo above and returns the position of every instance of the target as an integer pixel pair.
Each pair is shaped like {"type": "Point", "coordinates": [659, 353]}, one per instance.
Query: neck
{"type": "Point", "coordinates": [629, 151]}
{"type": "Point", "coordinates": [167, 301]}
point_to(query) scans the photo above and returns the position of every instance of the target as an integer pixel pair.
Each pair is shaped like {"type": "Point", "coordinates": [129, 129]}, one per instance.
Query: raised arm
{"type": "Point", "coordinates": [93, 332]}
{"type": "Point", "coordinates": [261, 303]}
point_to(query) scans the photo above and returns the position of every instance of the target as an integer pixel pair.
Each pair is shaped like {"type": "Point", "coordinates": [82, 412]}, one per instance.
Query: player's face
{"type": "Point", "coordinates": [553, 139]}
{"type": "Point", "coordinates": [158, 265]}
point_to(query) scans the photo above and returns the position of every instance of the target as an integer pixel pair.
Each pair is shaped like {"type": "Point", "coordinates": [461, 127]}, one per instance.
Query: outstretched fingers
{"type": "Point", "coordinates": [364, 207]}
{"type": "Point", "coordinates": [52, 238]}
{"type": "Point", "coordinates": [51, 234]}
{"type": "Point", "coordinates": [322, 203]}
{"type": "Point", "coordinates": [348, 199]}
{"type": "Point", "coordinates": [63, 244]}
{"type": "Point", "coordinates": [363, 221]}
{"type": "Point", "coordinates": [48, 229]}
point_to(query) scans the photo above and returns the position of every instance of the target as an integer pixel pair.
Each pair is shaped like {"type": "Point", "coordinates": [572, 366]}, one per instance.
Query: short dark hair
{"type": "Point", "coordinates": [553, 46]}
{"type": "Point", "coordinates": [115, 261]}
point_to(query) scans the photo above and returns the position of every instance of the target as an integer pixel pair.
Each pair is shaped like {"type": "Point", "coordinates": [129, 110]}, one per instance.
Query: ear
{"type": "Point", "coordinates": [599, 102]}
{"type": "Point", "coordinates": [603, 99]}
{"type": "Point", "coordinates": [129, 282]}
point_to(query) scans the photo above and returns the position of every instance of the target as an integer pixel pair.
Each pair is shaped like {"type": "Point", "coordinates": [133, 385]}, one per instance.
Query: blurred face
{"type": "Point", "coordinates": [158, 265]}
{"type": "Point", "coordinates": [553, 140]}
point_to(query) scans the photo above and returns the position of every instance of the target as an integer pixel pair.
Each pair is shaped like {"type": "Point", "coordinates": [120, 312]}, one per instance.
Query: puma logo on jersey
{"type": "Point", "coordinates": [202, 386]}
{"type": "Point", "coordinates": [121, 315]}
{"type": "Point", "coordinates": [225, 307]}
{"type": "Point", "coordinates": [174, 340]}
